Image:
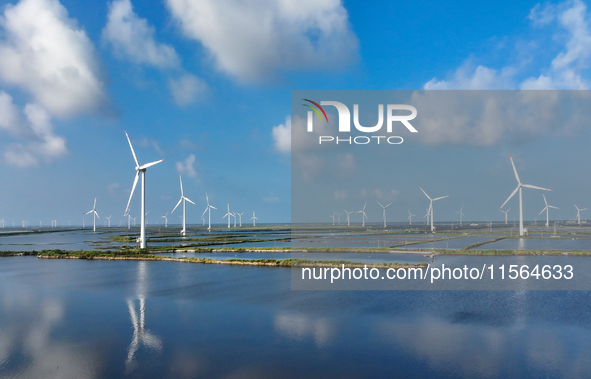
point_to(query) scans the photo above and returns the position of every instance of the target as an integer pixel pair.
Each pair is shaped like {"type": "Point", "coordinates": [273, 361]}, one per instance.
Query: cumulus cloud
{"type": "Point", "coordinates": [251, 41]}
{"type": "Point", "coordinates": [45, 53]}
{"type": "Point", "coordinates": [34, 128]}
{"type": "Point", "coordinates": [485, 118]}
{"type": "Point", "coordinates": [132, 38]}
{"type": "Point", "coordinates": [186, 167]}
{"type": "Point", "coordinates": [186, 89]}
{"type": "Point", "coordinates": [567, 70]}
{"type": "Point", "coordinates": [282, 136]}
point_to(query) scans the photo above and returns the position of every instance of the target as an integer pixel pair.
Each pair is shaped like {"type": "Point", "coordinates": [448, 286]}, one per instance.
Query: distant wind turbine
{"type": "Point", "coordinates": [339, 217]}
{"type": "Point", "coordinates": [546, 208]}
{"type": "Point", "coordinates": [348, 213]}
{"type": "Point", "coordinates": [505, 212]}
{"type": "Point", "coordinates": [254, 219]}
{"type": "Point", "coordinates": [579, 213]}
{"type": "Point", "coordinates": [94, 215]}
{"type": "Point", "coordinates": [363, 215]}
{"type": "Point", "coordinates": [431, 206]}
{"type": "Point", "coordinates": [139, 169]}
{"type": "Point", "coordinates": [229, 214]}
{"type": "Point", "coordinates": [240, 216]}
{"type": "Point", "coordinates": [109, 220]}
{"type": "Point", "coordinates": [183, 199]}
{"type": "Point", "coordinates": [461, 214]}
{"type": "Point", "coordinates": [208, 210]}
{"type": "Point", "coordinates": [165, 217]}
{"type": "Point", "coordinates": [410, 217]}
{"type": "Point", "coordinates": [333, 217]}
{"type": "Point", "coordinates": [386, 206]}
{"type": "Point", "coordinates": [519, 187]}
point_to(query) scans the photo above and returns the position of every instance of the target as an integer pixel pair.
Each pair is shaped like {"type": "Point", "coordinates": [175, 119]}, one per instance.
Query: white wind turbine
{"type": "Point", "coordinates": [94, 215]}
{"type": "Point", "coordinates": [410, 217]}
{"type": "Point", "coordinates": [384, 212]}
{"type": "Point", "coordinates": [519, 187]}
{"type": "Point", "coordinates": [339, 217]}
{"type": "Point", "coordinates": [505, 212]}
{"type": "Point", "coordinates": [208, 209]}
{"type": "Point", "coordinates": [183, 199]}
{"type": "Point", "coordinates": [546, 208]}
{"type": "Point", "coordinates": [364, 216]}
{"type": "Point", "coordinates": [333, 217]}
{"type": "Point", "coordinates": [234, 215]}
{"type": "Point", "coordinates": [139, 169]}
{"type": "Point", "coordinates": [430, 211]}
{"type": "Point", "coordinates": [109, 220]}
{"type": "Point", "coordinates": [579, 213]}
{"type": "Point", "coordinates": [461, 214]}
{"type": "Point", "coordinates": [240, 216]}
{"type": "Point", "coordinates": [165, 217]}
{"type": "Point", "coordinates": [348, 213]}
{"type": "Point", "coordinates": [254, 219]}
{"type": "Point", "coordinates": [229, 215]}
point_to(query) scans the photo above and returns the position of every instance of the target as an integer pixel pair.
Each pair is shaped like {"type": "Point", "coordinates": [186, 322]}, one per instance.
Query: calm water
{"type": "Point", "coordinates": [539, 244]}
{"type": "Point", "coordinates": [98, 319]}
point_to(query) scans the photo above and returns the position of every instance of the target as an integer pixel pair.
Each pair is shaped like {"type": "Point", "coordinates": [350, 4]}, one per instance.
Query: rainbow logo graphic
{"type": "Point", "coordinates": [316, 110]}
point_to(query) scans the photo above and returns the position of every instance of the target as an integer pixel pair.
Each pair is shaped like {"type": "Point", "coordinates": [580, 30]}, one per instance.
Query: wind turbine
{"type": "Point", "coordinates": [579, 213]}
{"type": "Point", "coordinates": [505, 212]}
{"type": "Point", "coordinates": [109, 220]}
{"type": "Point", "coordinates": [410, 217]}
{"type": "Point", "coordinates": [384, 212]}
{"type": "Point", "coordinates": [184, 199]}
{"type": "Point", "coordinates": [364, 216]}
{"type": "Point", "coordinates": [519, 187]}
{"type": "Point", "coordinates": [240, 216]}
{"type": "Point", "coordinates": [431, 206]}
{"type": "Point", "coordinates": [348, 213]}
{"type": "Point", "coordinates": [254, 219]}
{"type": "Point", "coordinates": [546, 208]}
{"type": "Point", "coordinates": [461, 214]}
{"type": "Point", "coordinates": [234, 215]}
{"type": "Point", "coordinates": [165, 220]}
{"type": "Point", "coordinates": [333, 217]}
{"type": "Point", "coordinates": [339, 217]}
{"type": "Point", "coordinates": [139, 169]}
{"type": "Point", "coordinates": [94, 215]}
{"type": "Point", "coordinates": [229, 214]}
{"type": "Point", "coordinates": [134, 218]}
{"type": "Point", "coordinates": [208, 209]}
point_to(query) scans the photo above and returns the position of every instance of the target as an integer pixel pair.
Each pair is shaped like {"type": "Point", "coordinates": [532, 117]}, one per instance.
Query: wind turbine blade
{"type": "Point", "coordinates": [425, 193]}
{"type": "Point", "coordinates": [206, 198]}
{"type": "Point", "coordinates": [150, 164]}
{"type": "Point", "coordinates": [510, 196]}
{"type": "Point", "coordinates": [211, 206]}
{"type": "Point", "coordinates": [205, 211]}
{"type": "Point", "coordinates": [137, 164]}
{"type": "Point", "coordinates": [380, 204]}
{"type": "Point", "coordinates": [181, 180]}
{"type": "Point", "coordinates": [545, 202]}
{"type": "Point", "coordinates": [389, 204]}
{"type": "Point", "coordinates": [177, 204]}
{"type": "Point", "coordinates": [137, 175]}
{"type": "Point", "coordinates": [546, 207]}
{"type": "Point", "coordinates": [442, 197]}
{"type": "Point", "coordinates": [90, 211]}
{"type": "Point", "coordinates": [535, 187]}
{"type": "Point", "coordinates": [551, 206]}
{"type": "Point", "coordinates": [583, 209]}
{"type": "Point", "coordinates": [189, 200]}
{"type": "Point", "coordinates": [94, 206]}
{"type": "Point", "coordinates": [95, 212]}
{"type": "Point", "coordinates": [515, 171]}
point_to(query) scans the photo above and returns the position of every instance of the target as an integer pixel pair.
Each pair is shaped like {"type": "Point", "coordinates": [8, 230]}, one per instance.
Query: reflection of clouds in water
{"type": "Point", "coordinates": [477, 350]}
{"type": "Point", "coordinates": [300, 326]}
{"type": "Point", "coordinates": [29, 341]}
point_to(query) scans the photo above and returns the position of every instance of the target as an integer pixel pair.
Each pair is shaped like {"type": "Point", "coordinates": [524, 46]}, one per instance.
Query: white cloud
{"type": "Point", "coordinates": [340, 195]}
{"type": "Point", "coordinates": [565, 71]}
{"type": "Point", "coordinates": [186, 89]}
{"type": "Point", "coordinates": [186, 167]}
{"type": "Point", "coordinates": [146, 142]}
{"type": "Point", "coordinates": [131, 37]}
{"type": "Point", "coordinates": [35, 130]}
{"type": "Point", "coordinates": [252, 40]}
{"type": "Point", "coordinates": [282, 136]}
{"type": "Point", "coordinates": [45, 53]}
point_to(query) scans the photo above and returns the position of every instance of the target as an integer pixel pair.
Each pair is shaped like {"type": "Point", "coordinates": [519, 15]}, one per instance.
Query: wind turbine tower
{"type": "Point", "coordinates": [208, 209]}
{"type": "Point", "coordinates": [579, 213]}
{"type": "Point", "coordinates": [384, 209]}
{"type": "Point", "coordinates": [183, 199]}
{"type": "Point", "coordinates": [505, 212]}
{"type": "Point", "coordinates": [363, 215]}
{"type": "Point", "coordinates": [94, 215]}
{"type": "Point", "coordinates": [546, 208]}
{"type": "Point", "coordinates": [254, 219]}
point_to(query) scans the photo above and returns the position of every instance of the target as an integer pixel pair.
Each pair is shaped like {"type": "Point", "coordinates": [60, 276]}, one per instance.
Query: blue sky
{"type": "Point", "coordinates": [202, 84]}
